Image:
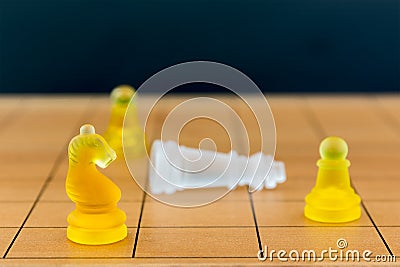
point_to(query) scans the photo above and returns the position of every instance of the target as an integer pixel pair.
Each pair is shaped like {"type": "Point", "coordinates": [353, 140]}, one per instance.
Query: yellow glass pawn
{"type": "Point", "coordinates": [134, 136]}
{"type": "Point", "coordinates": [97, 219]}
{"type": "Point", "coordinates": [333, 200]}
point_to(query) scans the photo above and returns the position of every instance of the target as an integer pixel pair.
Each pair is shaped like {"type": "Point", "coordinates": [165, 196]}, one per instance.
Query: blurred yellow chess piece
{"type": "Point", "coordinates": [134, 136]}
{"type": "Point", "coordinates": [97, 219]}
{"type": "Point", "coordinates": [333, 200]}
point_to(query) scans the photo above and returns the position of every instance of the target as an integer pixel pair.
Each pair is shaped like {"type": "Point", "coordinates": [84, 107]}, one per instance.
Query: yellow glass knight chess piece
{"type": "Point", "coordinates": [97, 219]}
{"type": "Point", "coordinates": [120, 98]}
{"type": "Point", "coordinates": [333, 200]}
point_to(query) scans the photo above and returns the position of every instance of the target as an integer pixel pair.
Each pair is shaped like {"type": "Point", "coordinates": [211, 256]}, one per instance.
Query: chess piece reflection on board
{"type": "Point", "coordinates": [134, 141]}
{"type": "Point", "coordinates": [96, 219]}
{"type": "Point", "coordinates": [333, 200]}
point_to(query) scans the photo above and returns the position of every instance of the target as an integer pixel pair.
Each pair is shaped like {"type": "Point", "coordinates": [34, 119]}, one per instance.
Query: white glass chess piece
{"type": "Point", "coordinates": [176, 168]}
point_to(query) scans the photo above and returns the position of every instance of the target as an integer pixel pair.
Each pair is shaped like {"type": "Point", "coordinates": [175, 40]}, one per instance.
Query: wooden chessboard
{"type": "Point", "coordinates": [35, 131]}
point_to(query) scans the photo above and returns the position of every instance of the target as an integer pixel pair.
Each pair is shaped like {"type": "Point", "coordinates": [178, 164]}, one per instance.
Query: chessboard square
{"type": "Point", "coordinates": [193, 133]}
{"type": "Point", "coordinates": [61, 170]}
{"type": "Point", "coordinates": [320, 238]}
{"type": "Point", "coordinates": [378, 189]}
{"type": "Point", "coordinates": [54, 214]}
{"type": "Point", "coordinates": [53, 243]}
{"type": "Point", "coordinates": [55, 191]}
{"type": "Point", "coordinates": [373, 150]}
{"type": "Point", "coordinates": [370, 166]}
{"type": "Point", "coordinates": [240, 193]}
{"type": "Point", "coordinates": [12, 214]}
{"type": "Point", "coordinates": [130, 191]}
{"type": "Point", "coordinates": [295, 167]}
{"type": "Point", "coordinates": [201, 196]}
{"type": "Point", "coordinates": [391, 104]}
{"type": "Point", "coordinates": [164, 261]}
{"type": "Point", "coordinates": [308, 148]}
{"type": "Point", "coordinates": [22, 190]}
{"type": "Point", "coordinates": [85, 261]}
{"type": "Point", "coordinates": [294, 189]}
{"type": "Point", "coordinates": [197, 242]}
{"type": "Point", "coordinates": [366, 125]}
{"type": "Point", "coordinates": [9, 103]}
{"type": "Point", "coordinates": [102, 117]}
{"type": "Point", "coordinates": [10, 155]}
{"type": "Point", "coordinates": [11, 170]}
{"type": "Point", "coordinates": [351, 134]}
{"type": "Point", "coordinates": [291, 213]}
{"type": "Point", "coordinates": [6, 237]}
{"type": "Point", "coordinates": [118, 171]}
{"type": "Point", "coordinates": [392, 238]}
{"type": "Point", "coordinates": [302, 131]}
{"type": "Point", "coordinates": [384, 213]}
{"type": "Point", "coordinates": [220, 213]}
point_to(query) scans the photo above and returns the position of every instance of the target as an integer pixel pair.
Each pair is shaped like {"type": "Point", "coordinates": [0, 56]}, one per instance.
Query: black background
{"type": "Point", "coordinates": [283, 45]}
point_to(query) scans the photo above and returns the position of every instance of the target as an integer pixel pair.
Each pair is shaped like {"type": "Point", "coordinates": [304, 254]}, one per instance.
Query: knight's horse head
{"type": "Point", "coordinates": [89, 147]}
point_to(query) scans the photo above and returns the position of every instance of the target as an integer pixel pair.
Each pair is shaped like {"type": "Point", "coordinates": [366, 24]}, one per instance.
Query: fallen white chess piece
{"type": "Point", "coordinates": [175, 168]}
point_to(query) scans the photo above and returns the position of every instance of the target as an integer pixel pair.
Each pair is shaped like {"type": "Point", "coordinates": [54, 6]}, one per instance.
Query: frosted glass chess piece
{"type": "Point", "coordinates": [333, 199]}
{"type": "Point", "coordinates": [134, 140]}
{"type": "Point", "coordinates": [96, 220]}
{"type": "Point", "coordinates": [175, 168]}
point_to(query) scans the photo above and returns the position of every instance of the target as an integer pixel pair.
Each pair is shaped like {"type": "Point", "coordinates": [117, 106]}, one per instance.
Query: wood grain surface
{"type": "Point", "coordinates": [35, 132]}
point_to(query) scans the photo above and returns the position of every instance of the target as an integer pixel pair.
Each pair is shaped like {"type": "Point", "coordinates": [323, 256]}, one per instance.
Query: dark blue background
{"type": "Point", "coordinates": [283, 45]}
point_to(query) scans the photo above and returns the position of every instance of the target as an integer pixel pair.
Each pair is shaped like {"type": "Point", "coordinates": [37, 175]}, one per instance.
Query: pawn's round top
{"type": "Point", "coordinates": [333, 148]}
{"type": "Point", "coordinates": [122, 94]}
{"type": "Point", "coordinates": [87, 129]}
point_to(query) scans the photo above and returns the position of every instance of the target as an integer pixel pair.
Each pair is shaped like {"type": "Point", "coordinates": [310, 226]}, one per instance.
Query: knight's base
{"type": "Point", "coordinates": [96, 236]}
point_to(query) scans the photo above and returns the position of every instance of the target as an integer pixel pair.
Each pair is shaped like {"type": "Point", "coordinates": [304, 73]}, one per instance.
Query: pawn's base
{"type": "Point", "coordinates": [96, 236]}
{"type": "Point", "coordinates": [332, 216]}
